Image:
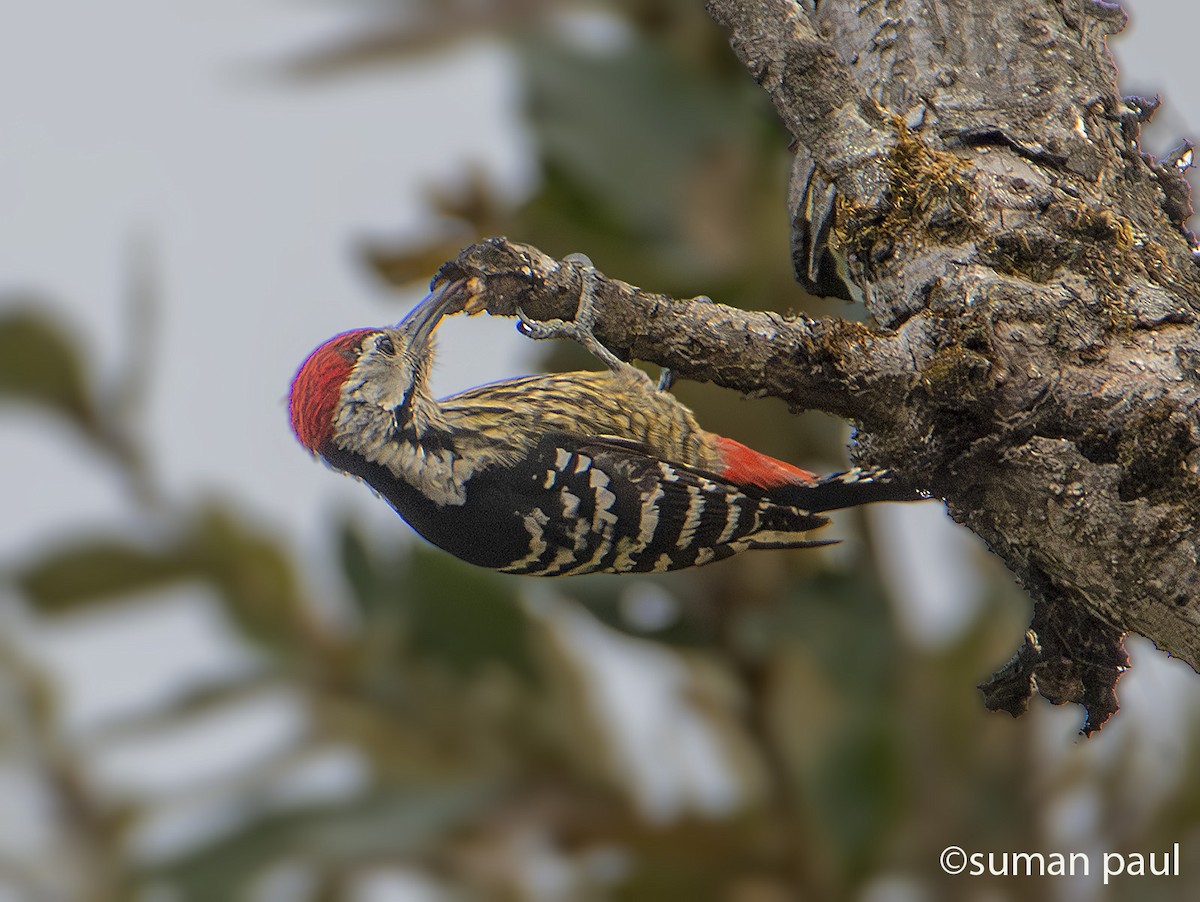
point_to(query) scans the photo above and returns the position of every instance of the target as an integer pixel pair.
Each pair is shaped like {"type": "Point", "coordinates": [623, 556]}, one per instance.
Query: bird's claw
{"type": "Point", "coordinates": [580, 328]}
{"type": "Point", "coordinates": [539, 329]}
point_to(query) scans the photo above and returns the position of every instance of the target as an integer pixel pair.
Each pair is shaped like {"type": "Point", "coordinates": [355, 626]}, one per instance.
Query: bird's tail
{"type": "Point", "coordinates": [850, 488]}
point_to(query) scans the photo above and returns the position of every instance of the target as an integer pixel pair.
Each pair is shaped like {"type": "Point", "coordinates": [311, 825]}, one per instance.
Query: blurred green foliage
{"type": "Point", "coordinates": [40, 365]}
{"type": "Point", "coordinates": [854, 756]}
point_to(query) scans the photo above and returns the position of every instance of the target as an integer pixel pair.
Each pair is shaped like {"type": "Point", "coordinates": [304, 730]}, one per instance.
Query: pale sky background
{"type": "Point", "coordinates": [159, 124]}
{"type": "Point", "coordinates": [168, 127]}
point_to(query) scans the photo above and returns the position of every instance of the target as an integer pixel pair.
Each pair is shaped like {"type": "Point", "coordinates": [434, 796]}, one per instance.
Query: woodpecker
{"type": "Point", "coordinates": [556, 474]}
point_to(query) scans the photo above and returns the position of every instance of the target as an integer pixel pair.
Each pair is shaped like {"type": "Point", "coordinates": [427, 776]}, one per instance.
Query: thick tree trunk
{"type": "Point", "coordinates": [968, 170]}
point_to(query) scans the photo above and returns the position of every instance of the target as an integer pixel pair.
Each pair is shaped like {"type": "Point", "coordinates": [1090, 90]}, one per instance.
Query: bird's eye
{"type": "Point", "coordinates": [383, 344]}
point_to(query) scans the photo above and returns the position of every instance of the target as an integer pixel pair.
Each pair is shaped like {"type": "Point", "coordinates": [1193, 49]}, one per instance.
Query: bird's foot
{"type": "Point", "coordinates": [580, 328]}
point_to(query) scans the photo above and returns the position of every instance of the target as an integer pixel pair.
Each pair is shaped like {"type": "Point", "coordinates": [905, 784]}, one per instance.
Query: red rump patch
{"type": "Point", "coordinates": [317, 386]}
{"type": "Point", "coordinates": [745, 466]}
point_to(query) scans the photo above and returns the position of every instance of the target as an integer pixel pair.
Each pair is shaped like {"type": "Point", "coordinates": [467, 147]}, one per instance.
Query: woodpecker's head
{"type": "Point", "coordinates": [383, 370]}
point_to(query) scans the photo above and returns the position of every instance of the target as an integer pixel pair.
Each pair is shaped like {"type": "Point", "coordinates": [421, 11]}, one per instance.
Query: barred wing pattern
{"type": "Point", "coordinates": [609, 504]}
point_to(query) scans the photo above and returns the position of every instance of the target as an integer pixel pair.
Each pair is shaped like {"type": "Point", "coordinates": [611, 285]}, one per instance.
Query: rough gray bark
{"type": "Point", "coordinates": [969, 171]}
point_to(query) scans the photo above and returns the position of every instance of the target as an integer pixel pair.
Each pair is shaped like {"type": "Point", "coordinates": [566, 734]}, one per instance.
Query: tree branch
{"type": "Point", "coordinates": [833, 365]}
{"type": "Point", "coordinates": [969, 171]}
{"type": "Point", "coordinates": [1056, 400]}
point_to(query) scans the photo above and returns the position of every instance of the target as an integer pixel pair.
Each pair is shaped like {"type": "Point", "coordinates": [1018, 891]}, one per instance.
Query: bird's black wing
{"type": "Point", "coordinates": [609, 504]}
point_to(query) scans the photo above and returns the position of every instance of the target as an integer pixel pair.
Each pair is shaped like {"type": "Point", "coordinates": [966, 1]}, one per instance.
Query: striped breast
{"type": "Point", "coordinates": [608, 505]}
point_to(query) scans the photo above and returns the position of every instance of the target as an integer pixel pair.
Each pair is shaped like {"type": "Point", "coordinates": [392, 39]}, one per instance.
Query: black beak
{"type": "Point", "coordinates": [418, 325]}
